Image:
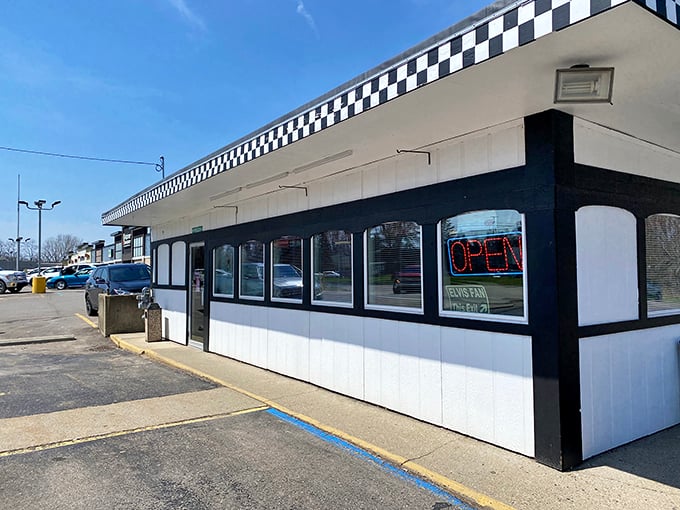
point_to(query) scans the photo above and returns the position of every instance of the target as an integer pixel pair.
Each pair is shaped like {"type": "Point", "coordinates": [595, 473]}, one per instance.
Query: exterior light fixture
{"type": "Point", "coordinates": [267, 180]}
{"type": "Point", "coordinates": [323, 161]}
{"type": "Point", "coordinates": [226, 194]}
{"type": "Point", "coordinates": [40, 207]}
{"type": "Point", "coordinates": [584, 84]}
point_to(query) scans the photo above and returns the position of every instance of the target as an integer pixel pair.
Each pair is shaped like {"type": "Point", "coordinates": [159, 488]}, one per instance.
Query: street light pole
{"type": "Point", "coordinates": [40, 207]}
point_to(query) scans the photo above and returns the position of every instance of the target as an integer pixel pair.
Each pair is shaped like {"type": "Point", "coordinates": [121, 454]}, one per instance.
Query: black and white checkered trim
{"type": "Point", "coordinates": [669, 9]}
{"type": "Point", "coordinates": [515, 25]}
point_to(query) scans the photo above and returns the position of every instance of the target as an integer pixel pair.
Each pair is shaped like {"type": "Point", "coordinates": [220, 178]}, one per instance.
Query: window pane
{"type": "Point", "coordinates": [332, 252]}
{"type": "Point", "coordinates": [163, 261]}
{"type": "Point", "coordinates": [663, 264]}
{"type": "Point", "coordinates": [393, 265]}
{"type": "Point", "coordinates": [138, 246]}
{"type": "Point", "coordinates": [223, 273]}
{"type": "Point", "coordinates": [252, 269]}
{"type": "Point", "coordinates": [482, 266]}
{"type": "Point", "coordinates": [287, 268]}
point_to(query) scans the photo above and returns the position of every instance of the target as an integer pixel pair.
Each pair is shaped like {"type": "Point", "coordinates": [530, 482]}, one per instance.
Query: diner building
{"type": "Point", "coordinates": [482, 233]}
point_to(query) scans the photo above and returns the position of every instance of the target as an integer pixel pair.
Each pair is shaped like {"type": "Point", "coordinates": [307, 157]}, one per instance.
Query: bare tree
{"type": "Point", "coordinates": [7, 249]}
{"type": "Point", "coordinates": [56, 249]}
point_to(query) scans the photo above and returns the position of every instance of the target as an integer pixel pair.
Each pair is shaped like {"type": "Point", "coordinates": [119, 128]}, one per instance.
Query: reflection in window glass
{"type": "Point", "coordinates": [287, 268]}
{"type": "Point", "coordinates": [663, 264]}
{"type": "Point", "coordinates": [252, 270]}
{"type": "Point", "coordinates": [223, 272]}
{"type": "Point", "coordinates": [332, 262]}
{"type": "Point", "coordinates": [393, 265]}
{"type": "Point", "coordinates": [482, 266]}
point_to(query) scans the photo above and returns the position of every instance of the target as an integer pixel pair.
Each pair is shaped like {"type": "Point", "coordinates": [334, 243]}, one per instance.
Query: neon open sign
{"type": "Point", "coordinates": [484, 255]}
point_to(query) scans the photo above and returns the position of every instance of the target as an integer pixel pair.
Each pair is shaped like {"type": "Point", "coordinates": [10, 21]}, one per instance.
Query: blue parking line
{"type": "Point", "coordinates": [400, 473]}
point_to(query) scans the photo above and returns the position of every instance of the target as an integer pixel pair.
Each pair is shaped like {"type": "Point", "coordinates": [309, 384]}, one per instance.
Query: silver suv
{"type": "Point", "coordinates": [13, 281]}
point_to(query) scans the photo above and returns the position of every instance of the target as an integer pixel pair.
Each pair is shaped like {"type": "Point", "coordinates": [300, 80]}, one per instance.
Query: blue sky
{"type": "Point", "coordinates": [137, 79]}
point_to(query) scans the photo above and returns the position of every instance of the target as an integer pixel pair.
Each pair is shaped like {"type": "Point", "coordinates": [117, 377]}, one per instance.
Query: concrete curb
{"type": "Point", "coordinates": [36, 340]}
{"type": "Point", "coordinates": [459, 489]}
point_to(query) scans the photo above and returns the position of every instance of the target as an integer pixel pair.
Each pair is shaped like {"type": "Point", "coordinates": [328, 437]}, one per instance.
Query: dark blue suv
{"type": "Point", "coordinates": [115, 279]}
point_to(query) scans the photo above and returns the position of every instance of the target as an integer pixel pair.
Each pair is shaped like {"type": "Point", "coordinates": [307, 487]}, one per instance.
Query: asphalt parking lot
{"type": "Point", "coordinates": [86, 425]}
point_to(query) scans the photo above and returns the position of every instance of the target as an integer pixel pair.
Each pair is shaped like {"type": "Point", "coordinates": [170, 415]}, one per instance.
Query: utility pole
{"type": "Point", "coordinates": [18, 237]}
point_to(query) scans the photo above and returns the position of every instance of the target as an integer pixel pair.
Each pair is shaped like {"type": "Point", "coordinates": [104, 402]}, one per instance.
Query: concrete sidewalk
{"type": "Point", "coordinates": [642, 475]}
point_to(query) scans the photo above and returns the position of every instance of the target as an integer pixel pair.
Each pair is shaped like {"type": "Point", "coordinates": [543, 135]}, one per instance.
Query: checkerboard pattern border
{"type": "Point", "coordinates": [515, 25]}
{"type": "Point", "coordinates": [669, 9]}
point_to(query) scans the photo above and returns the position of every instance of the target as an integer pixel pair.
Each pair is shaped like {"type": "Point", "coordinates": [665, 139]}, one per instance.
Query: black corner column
{"type": "Point", "coordinates": [553, 301]}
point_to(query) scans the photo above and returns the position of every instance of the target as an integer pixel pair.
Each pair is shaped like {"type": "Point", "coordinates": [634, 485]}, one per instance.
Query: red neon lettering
{"type": "Point", "coordinates": [470, 254]}
{"type": "Point", "coordinates": [508, 248]}
{"type": "Point", "coordinates": [495, 254]}
{"type": "Point", "coordinates": [453, 256]}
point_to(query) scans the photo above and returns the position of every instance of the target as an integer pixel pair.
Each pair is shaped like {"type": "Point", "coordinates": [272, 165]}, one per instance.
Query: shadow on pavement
{"type": "Point", "coordinates": [655, 457]}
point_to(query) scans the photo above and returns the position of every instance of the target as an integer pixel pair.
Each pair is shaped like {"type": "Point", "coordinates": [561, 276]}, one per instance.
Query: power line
{"type": "Point", "coordinates": [160, 167]}
{"type": "Point", "coordinates": [57, 155]}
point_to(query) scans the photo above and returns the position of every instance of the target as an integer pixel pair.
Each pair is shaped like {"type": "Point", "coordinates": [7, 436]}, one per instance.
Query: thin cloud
{"type": "Point", "coordinates": [189, 16]}
{"type": "Point", "coordinates": [308, 17]}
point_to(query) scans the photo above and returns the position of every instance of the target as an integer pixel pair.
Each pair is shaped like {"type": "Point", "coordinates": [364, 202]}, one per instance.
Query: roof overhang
{"type": "Point", "coordinates": [643, 48]}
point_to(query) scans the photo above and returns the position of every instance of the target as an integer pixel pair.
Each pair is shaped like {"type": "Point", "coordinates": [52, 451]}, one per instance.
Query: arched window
{"type": "Point", "coordinates": [332, 266]}
{"type": "Point", "coordinates": [482, 264]}
{"type": "Point", "coordinates": [179, 254]}
{"type": "Point", "coordinates": [252, 270]}
{"type": "Point", "coordinates": [223, 271]}
{"type": "Point", "coordinates": [287, 282]}
{"type": "Point", "coordinates": [163, 264]}
{"type": "Point", "coordinates": [393, 266]}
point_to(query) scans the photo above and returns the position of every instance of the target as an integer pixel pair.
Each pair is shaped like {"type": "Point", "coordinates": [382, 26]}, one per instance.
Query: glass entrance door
{"type": "Point", "coordinates": [197, 294]}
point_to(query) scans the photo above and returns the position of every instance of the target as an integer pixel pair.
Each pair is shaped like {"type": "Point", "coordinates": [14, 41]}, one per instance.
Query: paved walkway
{"type": "Point", "coordinates": [642, 475]}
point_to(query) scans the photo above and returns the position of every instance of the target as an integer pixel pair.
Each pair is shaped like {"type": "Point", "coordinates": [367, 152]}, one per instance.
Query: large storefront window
{"type": "Point", "coordinates": [223, 270]}
{"type": "Point", "coordinates": [332, 261]}
{"type": "Point", "coordinates": [393, 266]}
{"type": "Point", "coordinates": [287, 269]}
{"type": "Point", "coordinates": [663, 264]}
{"type": "Point", "coordinates": [482, 264]}
{"type": "Point", "coordinates": [252, 270]}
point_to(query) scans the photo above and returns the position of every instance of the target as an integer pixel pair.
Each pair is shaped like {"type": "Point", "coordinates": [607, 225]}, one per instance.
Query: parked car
{"type": "Point", "coordinates": [13, 281]}
{"type": "Point", "coordinates": [286, 281]}
{"type": "Point", "coordinates": [50, 272]}
{"type": "Point", "coordinates": [407, 280]}
{"type": "Point", "coordinates": [64, 280]}
{"type": "Point", "coordinates": [115, 279]}
{"type": "Point", "coordinates": [654, 292]}
{"type": "Point", "coordinates": [74, 268]}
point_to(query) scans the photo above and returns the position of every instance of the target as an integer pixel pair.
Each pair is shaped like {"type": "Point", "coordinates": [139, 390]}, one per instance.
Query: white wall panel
{"type": "Point", "coordinates": [381, 362]}
{"type": "Point", "coordinates": [476, 155]}
{"type": "Point", "coordinates": [173, 305]}
{"type": "Point", "coordinates": [178, 269]}
{"type": "Point", "coordinates": [336, 353]}
{"type": "Point", "coordinates": [420, 378]}
{"type": "Point", "coordinates": [487, 387]}
{"type": "Point", "coordinates": [387, 177]}
{"type": "Point", "coordinates": [370, 181]}
{"type": "Point", "coordinates": [475, 382]}
{"type": "Point", "coordinates": [630, 386]}
{"type": "Point", "coordinates": [163, 258]}
{"type": "Point", "coordinates": [288, 342]}
{"type": "Point", "coordinates": [606, 263]}
{"type": "Point", "coordinates": [598, 146]}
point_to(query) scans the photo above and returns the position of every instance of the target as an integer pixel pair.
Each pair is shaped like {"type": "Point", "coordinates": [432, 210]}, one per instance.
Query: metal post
{"type": "Point", "coordinates": [18, 216]}
{"type": "Point", "coordinates": [39, 235]}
